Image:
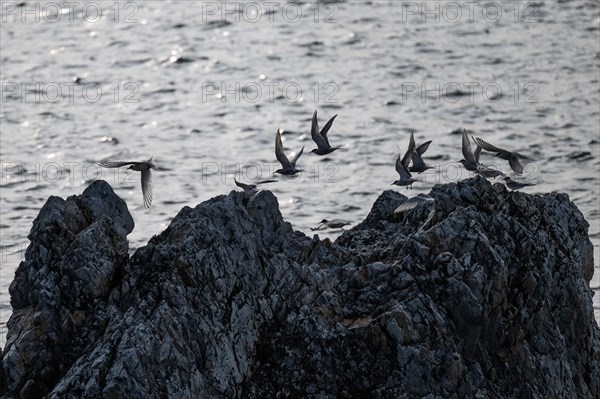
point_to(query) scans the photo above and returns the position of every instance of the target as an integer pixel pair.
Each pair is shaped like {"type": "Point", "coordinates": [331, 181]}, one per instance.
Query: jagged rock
{"type": "Point", "coordinates": [483, 293]}
{"type": "Point", "coordinates": [60, 290]}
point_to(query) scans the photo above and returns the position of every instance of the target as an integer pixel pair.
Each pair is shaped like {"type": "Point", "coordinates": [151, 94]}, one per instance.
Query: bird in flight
{"type": "Point", "coordinates": [469, 161]}
{"type": "Point", "coordinates": [288, 166]}
{"type": "Point", "coordinates": [484, 170]}
{"type": "Point", "coordinates": [413, 202]}
{"type": "Point", "coordinates": [330, 224]}
{"type": "Point", "coordinates": [511, 157]}
{"type": "Point", "coordinates": [143, 167]}
{"type": "Point", "coordinates": [251, 189]}
{"type": "Point", "coordinates": [515, 185]}
{"type": "Point", "coordinates": [402, 166]}
{"type": "Point", "coordinates": [320, 137]}
{"type": "Point", "coordinates": [418, 165]}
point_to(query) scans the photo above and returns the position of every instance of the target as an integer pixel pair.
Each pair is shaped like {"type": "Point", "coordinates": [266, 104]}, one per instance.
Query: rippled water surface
{"type": "Point", "coordinates": [204, 93]}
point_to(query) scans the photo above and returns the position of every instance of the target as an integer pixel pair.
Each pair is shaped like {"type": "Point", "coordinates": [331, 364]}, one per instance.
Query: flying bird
{"type": "Point", "coordinates": [288, 166]}
{"type": "Point", "coordinates": [251, 189]}
{"type": "Point", "coordinates": [477, 152]}
{"type": "Point", "coordinates": [488, 173]}
{"type": "Point", "coordinates": [515, 185]}
{"type": "Point", "coordinates": [511, 157]}
{"type": "Point", "coordinates": [413, 202]}
{"type": "Point", "coordinates": [484, 170]}
{"type": "Point", "coordinates": [143, 167]}
{"type": "Point", "coordinates": [330, 224]}
{"type": "Point", "coordinates": [320, 137]}
{"type": "Point", "coordinates": [402, 166]}
{"type": "Point", "coordinates": [418, 165]}
{"type": "Point", "coordinates": [469, 161]}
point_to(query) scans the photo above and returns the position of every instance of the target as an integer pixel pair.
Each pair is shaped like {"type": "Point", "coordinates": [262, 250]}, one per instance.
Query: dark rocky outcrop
{"type": "Point", "coordinates": [59, 294]}
{"type": "Point", "coordinates": [482, 294]}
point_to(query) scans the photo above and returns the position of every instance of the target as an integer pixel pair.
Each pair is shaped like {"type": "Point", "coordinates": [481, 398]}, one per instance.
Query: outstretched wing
{"type": "Point", "coordinates": [326, 128]}
{"type": "Point", "coordinates": [413, 202]}
{"type": "Point", "coordinates": [477, 153]}
{"type": "Point", "coordinates": [279, 154]}
{"type": "Point", "coordinates": [492, 148]}
{"type": "Point", "coordinates": [409, 204]}
{"type": "Point", "coordinates": [243, 186]}
{"type": "Point", "coordinates": [316, 136]}
{"type": "Point", "coordinates": [422, 148]}
{"type": "Point", "coordinates": [417, 160]}
{"type": "Point", "coordinates": [402, 163]}
{"type": "Point", "coordinates": [266, 181]}
{"type": "Point", "coordinates": [296, 157]}
{"type": "Point", "coordinates": [147, 188]}
{"type": "Point", "coordinates": [516, 165]}
{"type": "Point", "coordinates": [411, 148]}
{"type": "Point", "coordinates": [118, 164]}
{"type": "Point", "coordinates": [150, 163]}
{"type": "Point", "coordinates": [466, 148]}
{"type": "Point", "coordinates": [521, 156]}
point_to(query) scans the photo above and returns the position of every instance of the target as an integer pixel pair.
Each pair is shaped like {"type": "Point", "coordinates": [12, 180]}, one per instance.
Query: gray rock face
{"type": "Point", "coordinates": [483, 293]}
{"type": "Point", "coordinates": [60, 290]}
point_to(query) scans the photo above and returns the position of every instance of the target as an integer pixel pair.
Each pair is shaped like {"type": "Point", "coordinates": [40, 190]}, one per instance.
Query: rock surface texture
{"type": "Point", "coordinates": [482, 294]}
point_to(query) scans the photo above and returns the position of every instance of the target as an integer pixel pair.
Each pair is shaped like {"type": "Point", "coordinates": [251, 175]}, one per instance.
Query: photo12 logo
{"type": "Point", "coordinates": [13, 252]}
{"type": "Point", "coordinates": [469, 11]}
{"type": "Point", "coordinates": [69, 92]}
{"type": "Point", "coordinates": [69, 11]}
{"type": "Point", "coordinates": [71, 172]}
{"type": "Point", "coordinates": [255, 172]}
{"type": "Point", "coordinates": [270, 91]}
{"type": "Point", "coordinates": [455, 92]}
{"type": "Point", "coordinates": [268, 11]}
